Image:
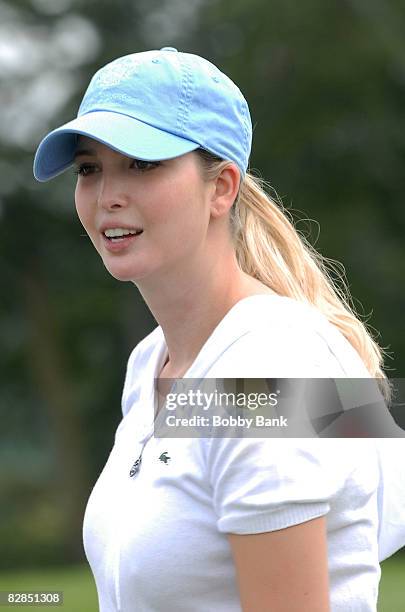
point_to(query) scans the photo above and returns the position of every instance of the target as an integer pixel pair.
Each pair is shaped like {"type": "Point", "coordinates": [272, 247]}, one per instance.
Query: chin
{"type": "Point", "coordinates": [125, 274]}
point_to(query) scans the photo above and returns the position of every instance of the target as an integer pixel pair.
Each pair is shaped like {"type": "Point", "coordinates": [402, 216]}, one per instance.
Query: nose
{"type": "Point", "coordinates": [111, 194]}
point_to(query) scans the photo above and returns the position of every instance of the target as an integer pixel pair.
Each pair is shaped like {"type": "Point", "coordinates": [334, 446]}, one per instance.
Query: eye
{"type": "Point", "coordinates": [85, 169]}
{"type": "Point", "coordinates": [144, 166]}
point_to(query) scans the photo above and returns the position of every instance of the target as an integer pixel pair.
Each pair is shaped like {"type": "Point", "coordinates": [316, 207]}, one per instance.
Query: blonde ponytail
{"type": "Point", "coordinates": [270, 249]}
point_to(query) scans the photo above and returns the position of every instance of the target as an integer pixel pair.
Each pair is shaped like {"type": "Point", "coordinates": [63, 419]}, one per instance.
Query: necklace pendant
{"type": "Point", "coordinates": [136, 467]}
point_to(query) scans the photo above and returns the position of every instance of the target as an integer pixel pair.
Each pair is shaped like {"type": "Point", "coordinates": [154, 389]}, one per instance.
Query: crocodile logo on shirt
{"type": "Point", "coordinates": [164, 457]}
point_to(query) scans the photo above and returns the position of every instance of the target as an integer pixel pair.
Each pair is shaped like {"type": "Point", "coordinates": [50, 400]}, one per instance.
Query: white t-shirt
{"type": "Point", "coordinates": [158, 541]}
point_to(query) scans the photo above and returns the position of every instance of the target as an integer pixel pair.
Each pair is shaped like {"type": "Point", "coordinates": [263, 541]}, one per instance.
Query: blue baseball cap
{"type": "Point", "coordinates": [152, 106]}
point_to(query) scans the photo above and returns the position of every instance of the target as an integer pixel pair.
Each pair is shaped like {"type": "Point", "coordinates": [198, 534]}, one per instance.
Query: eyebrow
{"type": "Point", "coordinates": [80, 152]}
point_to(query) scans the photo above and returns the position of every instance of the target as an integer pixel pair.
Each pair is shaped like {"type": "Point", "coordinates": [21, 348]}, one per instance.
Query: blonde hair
{"type": "Point", "coordinates": [270, 249]}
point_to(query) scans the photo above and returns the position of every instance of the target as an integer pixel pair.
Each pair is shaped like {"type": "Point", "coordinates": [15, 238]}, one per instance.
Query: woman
{"type": "Point", "coordinates": [161, 147]}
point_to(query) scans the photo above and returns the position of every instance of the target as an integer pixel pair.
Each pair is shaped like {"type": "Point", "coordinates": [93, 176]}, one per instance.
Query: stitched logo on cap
{"type": "Point", "coordinates": [116, 72]}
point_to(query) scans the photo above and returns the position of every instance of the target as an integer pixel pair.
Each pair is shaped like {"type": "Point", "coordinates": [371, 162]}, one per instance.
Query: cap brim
{"type": "Point", "coordinates": [120, 132]}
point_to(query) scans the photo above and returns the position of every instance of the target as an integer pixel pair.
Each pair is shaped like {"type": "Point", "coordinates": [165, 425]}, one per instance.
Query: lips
{"type": "Point", "coordinates": [117, 239]}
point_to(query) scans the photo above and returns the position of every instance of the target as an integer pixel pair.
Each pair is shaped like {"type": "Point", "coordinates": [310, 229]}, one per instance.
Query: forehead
{"type": "Point", "coordinates": [88, 146]}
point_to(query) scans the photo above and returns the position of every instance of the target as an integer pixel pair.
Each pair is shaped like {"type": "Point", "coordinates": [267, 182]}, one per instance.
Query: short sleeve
{"type": "Point", "coordinates": [263, 485]}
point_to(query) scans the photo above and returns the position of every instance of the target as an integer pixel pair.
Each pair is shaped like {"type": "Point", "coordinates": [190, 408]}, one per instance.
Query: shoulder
{"type": "Point", "coordinates": [278, 336]}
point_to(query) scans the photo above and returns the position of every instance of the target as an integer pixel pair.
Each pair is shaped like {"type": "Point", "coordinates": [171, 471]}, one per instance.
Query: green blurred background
{"type": "Point", "coordinates": [325, 82]}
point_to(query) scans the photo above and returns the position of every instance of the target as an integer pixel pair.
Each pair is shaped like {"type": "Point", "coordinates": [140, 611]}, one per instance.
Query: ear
{"type": "Point", "coordinates": [226, 187]}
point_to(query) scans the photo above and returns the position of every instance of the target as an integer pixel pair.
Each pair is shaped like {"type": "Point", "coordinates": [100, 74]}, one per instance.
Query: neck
{"type": "Point", "coordinates": [188, 308]}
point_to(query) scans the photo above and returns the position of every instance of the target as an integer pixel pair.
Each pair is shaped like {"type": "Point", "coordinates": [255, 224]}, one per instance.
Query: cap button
{"type": "Point", "coordinates": [169, 49]}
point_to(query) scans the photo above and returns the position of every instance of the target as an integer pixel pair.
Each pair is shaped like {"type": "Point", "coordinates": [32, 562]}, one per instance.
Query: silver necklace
{"type": "Point", "coordinates": [137, 464]}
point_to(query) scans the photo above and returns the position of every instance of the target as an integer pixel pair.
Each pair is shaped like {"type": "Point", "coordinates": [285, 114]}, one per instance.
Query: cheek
{"type": "Point", "coordinates": [79, 202]}
{"type": "Point", "coordinates": [83, 208]}
{"type": "Point", "coordinates": [181, 213]}
{"type": "Point", "coordinates": [85, 213]}
{"type": "Point", "coordinates": [181, 232]}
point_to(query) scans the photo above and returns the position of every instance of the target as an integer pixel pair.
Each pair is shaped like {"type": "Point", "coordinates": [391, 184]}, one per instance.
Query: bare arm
{"type": "Point", "coordinates": [284, 570]}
